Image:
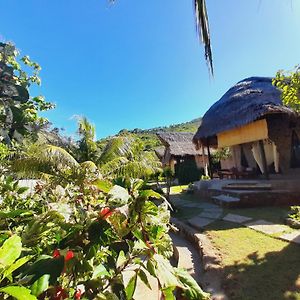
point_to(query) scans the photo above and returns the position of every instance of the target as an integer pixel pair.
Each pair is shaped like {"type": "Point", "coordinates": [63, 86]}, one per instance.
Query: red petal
{"type": "Point", "coordinates": [69, 255]}
{"type": "Point", "coordinates": [56, 253]}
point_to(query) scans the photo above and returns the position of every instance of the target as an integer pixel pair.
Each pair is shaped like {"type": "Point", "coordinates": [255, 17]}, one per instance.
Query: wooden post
{"type": "Point", "coordinates": [264, 160]}
{"type": "Point", "coordinates": [203, 155]}
{"type": "Point", "coordinates": [209, 158]}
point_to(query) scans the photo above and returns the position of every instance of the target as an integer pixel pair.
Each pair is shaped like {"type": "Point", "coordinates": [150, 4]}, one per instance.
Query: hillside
{"type": "Point", "coordinates": [148, 136]}
{"type": "Point", "coordinates": [190, 126]}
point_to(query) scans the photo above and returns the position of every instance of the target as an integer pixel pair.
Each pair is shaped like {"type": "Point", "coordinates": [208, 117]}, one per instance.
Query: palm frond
{"type": "Point", "coordinates": [202, 27]}
{"type": "Point", "coordinates": [41, 161]}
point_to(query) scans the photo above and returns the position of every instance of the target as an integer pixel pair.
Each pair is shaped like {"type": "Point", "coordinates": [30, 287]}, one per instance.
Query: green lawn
{"type": "Point", "coordinates": [256, 266]}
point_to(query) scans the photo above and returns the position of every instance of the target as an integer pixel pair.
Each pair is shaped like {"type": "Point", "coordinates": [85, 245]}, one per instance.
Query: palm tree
{"type": "Point", "coordinates": [125, 156]}
{"type": "Point", "coordinates": [87, 147]}
{"type": "Point", "coordinates": [202, 27]}
{"type": "Point", "coordinates": [52, 163]}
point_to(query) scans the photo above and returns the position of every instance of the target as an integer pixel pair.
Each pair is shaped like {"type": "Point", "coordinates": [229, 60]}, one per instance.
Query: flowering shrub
{"type": "Point", "coordinates": [76, 242]}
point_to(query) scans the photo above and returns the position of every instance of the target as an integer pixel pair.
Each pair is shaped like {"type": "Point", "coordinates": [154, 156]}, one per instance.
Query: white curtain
{"type": "Point", "coordinates": [271, 153]}
{"type": "Point", "coordinates": [257, 156]}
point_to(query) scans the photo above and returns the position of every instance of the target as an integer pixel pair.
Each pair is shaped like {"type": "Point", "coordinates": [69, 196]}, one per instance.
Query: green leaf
{"type": "Point", "coordinates": [20, 262]}
{"type": "Point", "coordinates": [18, 292]}
{"type": "Point", "coordinates": [40, 285]}
{"type": "Point", "coordinates": [118, 196]}
{"type": "Point", "coordinates": [10, 251]}
{"type": "Point", "coordinates": [99, 271]}
{"type": "Point", "coordinates": [191, 289]}
{"type": "Point", "coordinates": [103, 185]}
{"type": "Point", "coordinates": [143, 276]}
{"type": "Point", "coordinates": [15, 213]}
{"type": "Point", "coordinates": [165, 272]}
{"type": "Point", "coordinates": [168, 294]}
{"type": "Point", "coordinates": [146, 194]}
{"type": "Point", "coordinates": [121, 259]}
{"type": "Point", "coordinates": [22, 189]}
{"type": "Point", "coordinates": [130, 288]}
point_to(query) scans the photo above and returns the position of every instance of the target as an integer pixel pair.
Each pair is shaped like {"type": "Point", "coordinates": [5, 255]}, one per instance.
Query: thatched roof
{"type": "Point", "coordinates": [160, 151]}
{"type": "Point", "coordinates": [247, 101]}
{"type": "Point", "coordinates": [179, 143]}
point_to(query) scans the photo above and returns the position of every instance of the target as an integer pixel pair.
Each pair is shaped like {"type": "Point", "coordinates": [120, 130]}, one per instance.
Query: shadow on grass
{"type": "Point", "coordinates": [256, 266]}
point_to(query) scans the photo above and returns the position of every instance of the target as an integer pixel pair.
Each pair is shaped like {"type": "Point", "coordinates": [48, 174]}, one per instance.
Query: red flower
{"type": "Point", "coordinates": [69, 255]}
{"type": "Point", "coordinates": [78, 294]}
{"type": "Point", "coordinates": [56, 253]}
{"type": "Point", "coordinates": [105, 213]}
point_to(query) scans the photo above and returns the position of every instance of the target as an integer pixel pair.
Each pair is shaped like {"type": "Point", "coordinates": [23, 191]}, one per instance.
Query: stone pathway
{"type": "Point", "coordinates": [292, 237]}
{"type": "Point", "coordinates": [266, 227]}
{"type": "Point", "coordinates": [199, 222]}
{"type": "Point", "coordinates": [236, 218]}
{"type": "Point", "coordinates": [212, 212]}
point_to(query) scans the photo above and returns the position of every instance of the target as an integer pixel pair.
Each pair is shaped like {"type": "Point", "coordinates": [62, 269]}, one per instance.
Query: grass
{"type": "Point", "coordinates": [256, 266]}
{"type": "Point", "coordinates": [178, 189]}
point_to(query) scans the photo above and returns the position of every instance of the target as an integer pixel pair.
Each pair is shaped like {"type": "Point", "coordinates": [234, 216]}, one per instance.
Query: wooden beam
{"type": "Point", "coordinates": [264, 160]}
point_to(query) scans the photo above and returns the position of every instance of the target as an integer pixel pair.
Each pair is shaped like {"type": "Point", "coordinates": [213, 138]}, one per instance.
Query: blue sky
{"type": "Point", "coordinates": [138, 64]}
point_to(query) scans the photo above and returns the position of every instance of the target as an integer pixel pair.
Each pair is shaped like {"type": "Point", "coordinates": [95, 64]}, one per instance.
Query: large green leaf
{"type": "Point", "coordinates": [118, 196]}
{"type": "Point", "coordinates": [16, 265]}
{"type": "Point", "coordinates": [18, 292]}
{"type": "Point", "coordinates": [10, 251]}
{"type": "Point", "coordinates": [165, 272]}
{"type": "Point", "coordinates": [99, 270]}
{"type": "Point", "coordinates": [191, 288]}
{"type": "Point", "coordinates": [130, 288]}
{"type": "Point", "coordinates": [40, 285]}
{"type": "Point", "coordinates": [143, 276]}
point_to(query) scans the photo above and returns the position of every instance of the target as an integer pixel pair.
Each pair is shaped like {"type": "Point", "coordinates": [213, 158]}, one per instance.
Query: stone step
{"type": "Point", "coordinates": [226, 200]}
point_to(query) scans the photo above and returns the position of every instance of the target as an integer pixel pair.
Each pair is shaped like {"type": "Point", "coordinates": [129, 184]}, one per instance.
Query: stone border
{"type": "Point", "coordinates": [213, 273]}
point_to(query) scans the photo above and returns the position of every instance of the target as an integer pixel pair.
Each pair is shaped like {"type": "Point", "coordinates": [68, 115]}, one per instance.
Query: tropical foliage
{"type": "Point", "coordinates": [19, 111]}
{"type": "Point", "coordinates": [289, 84]}
{"type": "Point", "coordinates": [73, 235]}
{"type": "Point", "coordinates": [79, 243]}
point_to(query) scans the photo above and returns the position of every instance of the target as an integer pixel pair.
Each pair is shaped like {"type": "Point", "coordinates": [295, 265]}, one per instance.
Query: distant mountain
{"type": "Point", "coordinates": [190, 126]}
{"type": "Point", "coordinates": [149, 138]}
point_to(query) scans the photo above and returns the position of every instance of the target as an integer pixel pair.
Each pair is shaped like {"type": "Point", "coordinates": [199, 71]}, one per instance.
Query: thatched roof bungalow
{"type": "Point", "coordinates": [180, 150]}
{"type": "Point", "coordinates": [251, 119]}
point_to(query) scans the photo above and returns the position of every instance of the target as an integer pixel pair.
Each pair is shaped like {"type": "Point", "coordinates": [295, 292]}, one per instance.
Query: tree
{"type": "Point", "coordinates": [289, 84]}
{"type": "Point", "coordinates": [18, 111]}
{"type": "Point", "coordinates": [202, 26]}
{"type": "Point", "coordinates": [125, 156]}
{"type": "Point", "coordinates": [87, 147]}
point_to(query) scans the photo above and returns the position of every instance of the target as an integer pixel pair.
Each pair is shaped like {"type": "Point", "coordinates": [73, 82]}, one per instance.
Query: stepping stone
{"type": "Point", "coordinates": [199, 222]}
{"type": "Point", "coordinates": [226, 199]}
{"type": "Point", "coordinates": [292, 237]}
{"type": "Point", "coordinates": [236, 218]}
{"type": "Point", "coordinates": [211, 214]}
{"type": "Point", "coordinates": [266, 227]}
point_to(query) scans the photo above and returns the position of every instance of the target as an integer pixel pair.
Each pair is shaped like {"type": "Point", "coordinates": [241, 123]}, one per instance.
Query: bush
{"type": "Point", "coordinates": [187, 171]}
{"type": "Point", "coordinates": [75, 243]}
